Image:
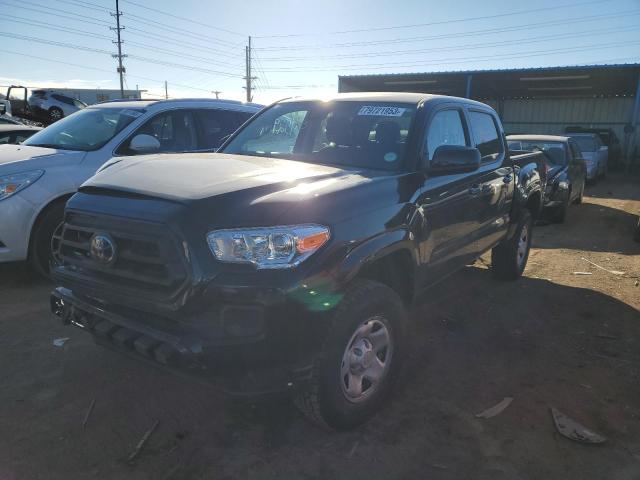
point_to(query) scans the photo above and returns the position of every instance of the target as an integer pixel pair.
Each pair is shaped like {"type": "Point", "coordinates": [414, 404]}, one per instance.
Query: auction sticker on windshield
{"type": "Point", "coordinates": [381, 111]}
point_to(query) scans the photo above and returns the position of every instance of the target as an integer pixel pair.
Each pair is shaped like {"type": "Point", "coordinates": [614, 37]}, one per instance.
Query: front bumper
{"type": "Point", "coordinates": [248, 350]}
{"type": "Point", "coordinates": [16, 214]}
{"type": "Point", "coordinates": [555, 196]}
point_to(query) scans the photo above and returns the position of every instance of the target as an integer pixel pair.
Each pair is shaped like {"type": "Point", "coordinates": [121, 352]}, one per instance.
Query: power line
{"type": "Point", "coordinates": [147, 46]}
{"type": "Point", "coordinates": [186, 19]}
{"type": "Point", "coordinates": [86, 67]}
{"type": "Point", "coordinates": [136, 57]}
{"type": "Point", "coordinates": [136, 31]}
{"type": "Point", "coordinates": [379, 66]}
{"type": "Point", "coordinates": [472, 33]}
{"type": "Point", "coordinates": [468, 46]}
{"type": "Point", "coordinates": [443, 22]}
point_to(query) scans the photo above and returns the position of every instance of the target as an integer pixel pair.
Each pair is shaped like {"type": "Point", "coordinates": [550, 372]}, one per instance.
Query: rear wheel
{"type": "Point", "coordinates": [45, 240]}
{"type": "Point", "coordinates": [509, 258]}
{"type": "Point", "coordinates": [559, 215]}
{"type": "Point", "coordinates": [360, 358]}
{"type": "Point", "coordinates": [55, 114]}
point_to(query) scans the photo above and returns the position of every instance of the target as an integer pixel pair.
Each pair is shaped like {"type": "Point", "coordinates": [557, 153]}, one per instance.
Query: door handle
{"type": "Point", "coordinates": [475, 190]}
{"type": "Point", "coordinates": [507, 178]}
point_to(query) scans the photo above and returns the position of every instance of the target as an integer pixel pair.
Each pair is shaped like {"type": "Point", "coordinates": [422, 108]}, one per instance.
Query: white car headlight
{"type": "Point", "coordinates": [269, 247]}
{"type": "Point", "coordinates": [13, 183]}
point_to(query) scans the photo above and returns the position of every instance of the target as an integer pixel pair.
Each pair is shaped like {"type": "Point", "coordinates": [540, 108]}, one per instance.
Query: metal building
{"type": "Point", "coordinates": [534, 100]}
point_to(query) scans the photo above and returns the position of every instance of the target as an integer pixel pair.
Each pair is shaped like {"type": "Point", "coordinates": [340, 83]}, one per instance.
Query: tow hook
{"type": "Point", "coordinates": [60, 309]}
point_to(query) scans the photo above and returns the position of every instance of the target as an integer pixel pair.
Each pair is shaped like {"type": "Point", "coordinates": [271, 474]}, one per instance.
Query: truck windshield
{"type": "Point", "coordinates": [85, 130]}
{"type": "Point", "coordinates": [586, 144]}
{"type": "Point", "coordinates": [344, 133]}
{"type": "Point", "coordinates": [555, 153]}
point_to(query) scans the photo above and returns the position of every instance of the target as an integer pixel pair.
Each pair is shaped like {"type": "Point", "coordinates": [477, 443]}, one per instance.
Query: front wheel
{"type": "Point", "coordinates": [45, 240]}
{"type": "Point", "coordinates": [360, 359]}
{"type": "Point", "coordinates": [509, 258]}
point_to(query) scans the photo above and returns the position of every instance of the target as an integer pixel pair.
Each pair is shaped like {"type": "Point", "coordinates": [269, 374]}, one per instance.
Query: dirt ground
{"type": "Point", "coordinates": [553, 338]}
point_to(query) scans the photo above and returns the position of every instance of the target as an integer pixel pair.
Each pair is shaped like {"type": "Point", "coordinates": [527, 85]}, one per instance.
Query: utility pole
{"type": "Point", "coordinates": [248, 76]}
{"type": "Point", "coordinates": [166, 90]}
{"type": "Point", "coordinates": [121, 70]}
{"type": "Point", "coordinates": [216, 92]}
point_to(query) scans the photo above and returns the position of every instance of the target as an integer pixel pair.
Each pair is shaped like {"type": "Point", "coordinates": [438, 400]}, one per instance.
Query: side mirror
{"type": "Point", "coordinates": [144, 143]}
{"type": "Point", "coordinates": [448, 159]}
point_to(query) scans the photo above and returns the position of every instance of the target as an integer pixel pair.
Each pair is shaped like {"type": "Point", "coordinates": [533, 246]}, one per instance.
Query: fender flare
{"type": "Point", "coordinates": [374, 249]}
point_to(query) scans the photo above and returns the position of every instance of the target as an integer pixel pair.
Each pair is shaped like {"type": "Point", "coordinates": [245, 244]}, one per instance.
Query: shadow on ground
{"type": "Point", "coordinates": [474, 340]}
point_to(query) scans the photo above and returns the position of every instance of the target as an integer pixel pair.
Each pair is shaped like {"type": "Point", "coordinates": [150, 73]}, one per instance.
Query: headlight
{"type": "Point", "coordinates": [563, 185]}
{"type": "Point", "coordinates": [272, 247]}
{"type": "Point", "coordinates": [10, 184]}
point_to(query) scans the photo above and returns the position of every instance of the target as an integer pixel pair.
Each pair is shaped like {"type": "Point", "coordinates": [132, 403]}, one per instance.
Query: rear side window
{"type": "Point", "coordinates": [446, 128]}
{"type": "Point", "coordinates": [215, 125]}
{"type": "Point", "coordinates": [485, 135]}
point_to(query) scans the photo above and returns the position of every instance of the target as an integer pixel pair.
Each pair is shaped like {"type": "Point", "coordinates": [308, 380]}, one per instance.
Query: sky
{"type": "Point", "coordinates": [300, 47]}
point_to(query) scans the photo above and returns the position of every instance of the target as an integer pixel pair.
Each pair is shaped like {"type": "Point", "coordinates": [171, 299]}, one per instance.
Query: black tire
{"type": "Point", "coordinates": [636, 235]}
{"type": "Point", "coordinates": [323, 399]}
{"type": "Point", "coordinates": [559, 215]}
{"type": "Point", "coordinates": [55, 114]}
{"type": "Point", "coordinates": [40, 253]}
{"type": "Point", "coordinates": [507, 259]}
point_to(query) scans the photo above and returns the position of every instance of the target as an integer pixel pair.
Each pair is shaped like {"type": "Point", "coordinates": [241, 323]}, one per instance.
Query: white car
{"type": "Point", "coordinates": [38, 176]}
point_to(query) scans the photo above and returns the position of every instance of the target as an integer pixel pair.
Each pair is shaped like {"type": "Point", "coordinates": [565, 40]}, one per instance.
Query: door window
{"type": "Point", "coordinates": [174, 129]}
{"type": "Point", "coordinates": [486, 135]}
{"type": "Point", "coordinates": [446, 128]}
{"type": "Point", "coordinates": [216, 125]}
{"type": "Point", "coordinates": [5, 137]}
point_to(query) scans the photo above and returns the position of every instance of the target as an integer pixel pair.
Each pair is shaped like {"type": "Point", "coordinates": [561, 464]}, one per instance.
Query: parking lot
{"type": "Point", "coordinates": [554, 338]}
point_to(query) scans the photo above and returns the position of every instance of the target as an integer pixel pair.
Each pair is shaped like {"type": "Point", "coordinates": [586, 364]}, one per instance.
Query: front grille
{"type": "Point", "coordinates": [148, 259]}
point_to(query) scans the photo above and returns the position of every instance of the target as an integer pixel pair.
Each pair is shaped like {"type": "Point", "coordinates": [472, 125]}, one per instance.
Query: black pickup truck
{"type": "Point", "coordinates": [287, 262]}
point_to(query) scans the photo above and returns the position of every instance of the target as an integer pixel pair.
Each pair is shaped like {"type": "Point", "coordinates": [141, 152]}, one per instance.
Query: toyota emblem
{"type": "Point", "coordinates": [103, 249]}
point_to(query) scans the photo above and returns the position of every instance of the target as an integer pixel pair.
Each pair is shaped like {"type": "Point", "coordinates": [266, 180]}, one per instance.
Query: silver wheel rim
{"type": "Point", "coordinates": [56, 114]}
{"type": "Point", "coordinates": [366, 360]}
{"type": "Point", "coordinates": [523, 244]}
{"type": "Point", "coordinates": [56, 238]}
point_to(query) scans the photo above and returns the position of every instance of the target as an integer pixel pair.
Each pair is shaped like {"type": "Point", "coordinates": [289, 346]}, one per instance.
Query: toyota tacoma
{"type": "Point", "coordinates": [287, 262]}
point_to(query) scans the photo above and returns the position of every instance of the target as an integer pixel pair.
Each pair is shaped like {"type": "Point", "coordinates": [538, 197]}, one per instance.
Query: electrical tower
{"type": "Point", "coordinates": [121, 70]}
{"type": "Point", "coordinates": [248, 76]}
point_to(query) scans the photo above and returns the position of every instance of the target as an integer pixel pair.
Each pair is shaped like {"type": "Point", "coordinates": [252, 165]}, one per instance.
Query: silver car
{"type": "Point", "coordinates": [595, 154]}
{"type": "Point", "coordinates": [52, 106]}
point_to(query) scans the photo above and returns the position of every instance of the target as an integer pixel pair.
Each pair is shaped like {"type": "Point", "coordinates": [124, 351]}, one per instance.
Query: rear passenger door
{"type": "Point", "coordinates": [447, 203]}
{"type": "Point", "coordinates": [215, 125]}
{"type": "Point", "coordinates": [493, 183]}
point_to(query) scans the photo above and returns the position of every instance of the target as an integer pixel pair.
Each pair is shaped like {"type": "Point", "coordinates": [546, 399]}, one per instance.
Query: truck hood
{"type": "Point", "coordinates": [224, 191]}
{"type": "Point", "coordinates": [192, 177]}
{"type": "Point", "coordinates": [18, 158]}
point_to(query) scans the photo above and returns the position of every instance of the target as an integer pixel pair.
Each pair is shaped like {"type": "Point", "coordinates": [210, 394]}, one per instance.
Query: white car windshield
{"type": "Point", "coordinates": [86, 130]}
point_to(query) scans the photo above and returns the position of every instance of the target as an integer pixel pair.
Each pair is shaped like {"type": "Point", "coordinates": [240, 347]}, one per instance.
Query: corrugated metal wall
{"type": "Point", "coordinates": [551, 116]}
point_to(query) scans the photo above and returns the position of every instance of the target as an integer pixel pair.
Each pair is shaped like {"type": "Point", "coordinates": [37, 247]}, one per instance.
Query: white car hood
{"type": "Point", "coordinates": [18, 158]}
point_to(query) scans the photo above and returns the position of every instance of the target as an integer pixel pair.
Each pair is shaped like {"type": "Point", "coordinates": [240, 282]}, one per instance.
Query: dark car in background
{"type": "Point", "coordinates": [10, 133]}
{"type": "Point", "coordinates": [566, 170]}
{"type": "Point", "coordinates": [595, 154]}
{"type": "Point", "coordinates": [608, 138]}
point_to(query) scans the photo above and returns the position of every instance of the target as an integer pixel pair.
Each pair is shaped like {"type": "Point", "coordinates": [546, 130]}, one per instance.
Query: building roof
{"type": "Point", "coordinates": [567, 81]}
